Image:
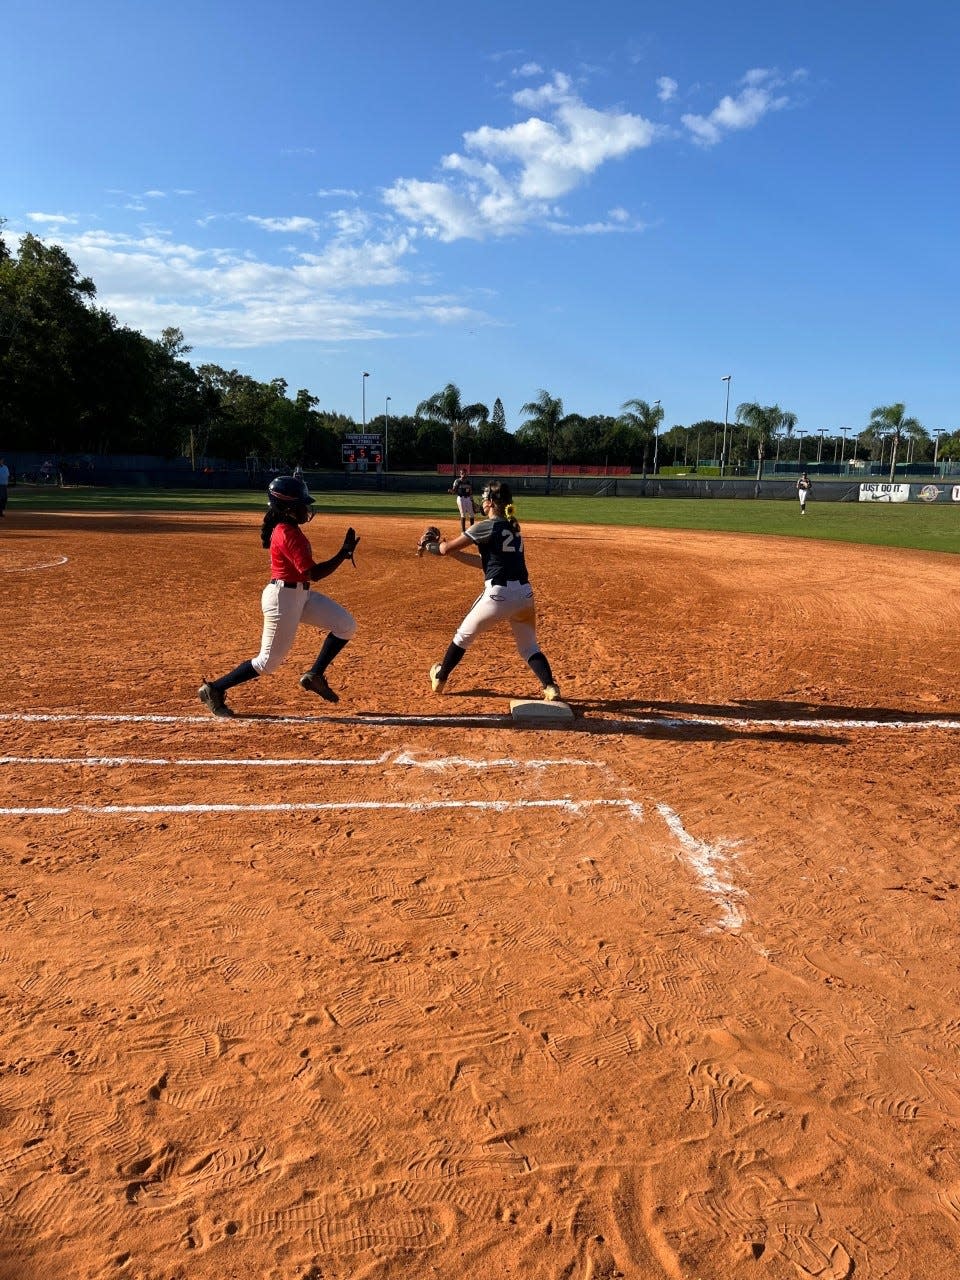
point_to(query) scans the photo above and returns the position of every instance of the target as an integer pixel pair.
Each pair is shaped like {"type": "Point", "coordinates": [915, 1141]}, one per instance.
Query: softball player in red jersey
{"type": "Point", "coordinates": [507, 594]}
{"type": "Point", "coordinates": [287, 599]}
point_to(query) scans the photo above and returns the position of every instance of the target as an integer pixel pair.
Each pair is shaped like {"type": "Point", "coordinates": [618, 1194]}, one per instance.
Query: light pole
{"type": "Point", "coordinates": [364, 386]}
{"type": "Point", "coordinates": [843, 447]}
{"type": "Point", "coordinates": [656, 433]}
{"type": "Point", "coordinates": [726, 414]}
{"type": "Point", "coordinates": [938, 432]}
{"type": "Point", "coordinates": [386, 433]}
{"type": "Point", "coordinates": [821, 432]}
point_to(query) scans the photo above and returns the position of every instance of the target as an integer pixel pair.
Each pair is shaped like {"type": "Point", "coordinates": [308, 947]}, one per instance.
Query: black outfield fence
{"type": "Point", "coordinates": [154, 473]}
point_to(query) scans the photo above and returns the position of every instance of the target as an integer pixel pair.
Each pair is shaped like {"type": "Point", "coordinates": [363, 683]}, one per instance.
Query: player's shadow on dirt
{"type": "Point", "coordinates": [675, 730]}
{"type": "Point", "coordinates": [122, 522]}
{"type": "Point", "coordinates": [755, 709]}
{"type": "Point", "coordinates": [643, 719]}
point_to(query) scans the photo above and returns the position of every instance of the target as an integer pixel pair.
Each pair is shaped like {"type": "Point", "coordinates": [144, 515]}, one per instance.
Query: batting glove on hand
{"type": "Point", "coordinates": [349, 546]}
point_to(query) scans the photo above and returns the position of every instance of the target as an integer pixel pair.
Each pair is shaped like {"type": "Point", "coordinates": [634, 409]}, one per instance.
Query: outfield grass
{"type": "Point", "coordinates": [933, 528]}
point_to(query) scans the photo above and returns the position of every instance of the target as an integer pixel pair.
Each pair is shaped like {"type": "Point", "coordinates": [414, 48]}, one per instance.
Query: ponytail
{"type": "Point", "coordinates": [498, 491]}
{"type": "Point", "coordinates": [271, 519]}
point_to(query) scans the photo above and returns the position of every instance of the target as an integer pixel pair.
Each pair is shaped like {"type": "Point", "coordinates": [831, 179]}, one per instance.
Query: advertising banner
{"type": "Point", "coordinates": [931, 492]}
{"type": "Point", "coordinates": [884, 493]}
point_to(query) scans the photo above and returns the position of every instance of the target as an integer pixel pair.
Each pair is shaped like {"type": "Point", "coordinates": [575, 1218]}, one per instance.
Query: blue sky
{"type": "Point", "coordinates": [607, 200]}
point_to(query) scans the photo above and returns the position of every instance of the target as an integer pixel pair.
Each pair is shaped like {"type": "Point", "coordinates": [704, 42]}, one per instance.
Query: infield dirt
{"type": "Point", "coordinates": [397, 989]}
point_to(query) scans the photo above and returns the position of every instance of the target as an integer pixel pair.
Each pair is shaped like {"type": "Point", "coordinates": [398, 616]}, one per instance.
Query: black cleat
{"type": "Point", "coordinates": [314, 683]}
{"type": "Point", "coordinates": [214, 700]}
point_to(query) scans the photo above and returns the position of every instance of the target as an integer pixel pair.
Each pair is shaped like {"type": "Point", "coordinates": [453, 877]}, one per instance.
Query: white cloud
{"type": "Point", "coordinates": [556, 90]}
{"type": "Point", "coordinates": [744, 111]}
{"type": "Point", "coordinates": [528, 69]}
{"type": "Point", "coordinates": [285, 225]}
{"type": "Point", "coordinates": [223, 297]}
{"type": "Point", "coordinates": [666, 88]}
{"type": "Point", "coordinates": [53, 219]}
{"type": "Point", "coordinates": [509, 177]}
{"type": "Point", "coordinates": [437, 209]}
{"type": "Point", "coordinates": [339, 192]}
{"type": "Point", "coordinates": [612, 225]}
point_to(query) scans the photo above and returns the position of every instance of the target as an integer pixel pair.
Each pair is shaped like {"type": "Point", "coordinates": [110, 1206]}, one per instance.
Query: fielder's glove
{"type": "Point", "coordinates": [430, 541]}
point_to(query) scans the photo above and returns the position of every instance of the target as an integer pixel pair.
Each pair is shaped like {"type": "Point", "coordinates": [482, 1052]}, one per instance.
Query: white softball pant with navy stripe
{"type": "Point", "coordinates": [284, 608]}
{"type": "Point", "coordinates": [512, 603]}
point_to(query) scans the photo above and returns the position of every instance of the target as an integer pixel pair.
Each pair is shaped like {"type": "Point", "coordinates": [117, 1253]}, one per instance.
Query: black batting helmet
{"type": "Point", "coordinates": [289, 493]}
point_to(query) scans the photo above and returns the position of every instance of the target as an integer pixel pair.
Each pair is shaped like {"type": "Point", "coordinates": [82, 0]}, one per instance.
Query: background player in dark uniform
{"type": "Point", "coordinates": [463, 490]}
{"type": "Point", "coordinates": [507, 594]}
{"type": "Point", "coordinates": [804, 485]}
{"type": "Point", "coordinates": [287, 599]}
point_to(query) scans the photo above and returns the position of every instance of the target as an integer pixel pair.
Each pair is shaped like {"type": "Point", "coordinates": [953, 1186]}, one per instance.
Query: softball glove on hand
{"type": "Point", "coordinates": [430, 541]}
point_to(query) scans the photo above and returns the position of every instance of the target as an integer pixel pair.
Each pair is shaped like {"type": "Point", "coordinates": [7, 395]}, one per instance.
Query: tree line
{"type": "Point", "coordinates": [75, 382]}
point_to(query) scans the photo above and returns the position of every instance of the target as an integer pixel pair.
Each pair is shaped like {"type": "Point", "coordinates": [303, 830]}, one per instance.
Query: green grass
{"type": "Point", "coordinates": [912, 525]}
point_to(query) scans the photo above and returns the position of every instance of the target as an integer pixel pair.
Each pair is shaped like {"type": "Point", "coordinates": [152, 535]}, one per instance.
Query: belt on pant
{"type": "Point", "coordinates": [279, 582]}
{"type": "Point", "coordinates": [501, 580]}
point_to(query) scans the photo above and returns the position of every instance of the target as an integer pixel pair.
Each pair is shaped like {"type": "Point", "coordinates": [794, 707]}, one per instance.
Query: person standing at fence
{"type": "Point", "coordinates": [463, 490]}
{"type": "Point", "coordinates": [4, 482]}
{"type": "Point", "coordinates": [804, 486]}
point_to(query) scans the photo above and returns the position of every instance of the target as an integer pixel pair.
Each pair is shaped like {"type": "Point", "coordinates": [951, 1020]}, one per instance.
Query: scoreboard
{"type": "Point", "coordinates": [362, 450]}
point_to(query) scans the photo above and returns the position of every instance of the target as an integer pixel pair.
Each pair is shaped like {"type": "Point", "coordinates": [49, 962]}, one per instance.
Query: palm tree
{"type": "Point", "coordinates": [546, 420]}
{"type": "Point", "coordinates": [766, 421]}
{"type": "Point", "coordinates": [447, 408]}
{"type": "Point", "coordinates": [645, 420]}
{"type": "Point", "coordinates": [890, 419]}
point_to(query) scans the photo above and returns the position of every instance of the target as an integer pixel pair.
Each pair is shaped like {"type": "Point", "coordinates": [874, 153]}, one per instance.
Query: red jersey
{"type": "Point", "coordinates": [290, 556]}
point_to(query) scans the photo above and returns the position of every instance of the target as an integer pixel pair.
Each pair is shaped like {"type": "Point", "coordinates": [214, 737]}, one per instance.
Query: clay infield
{"type": "Point", "coordinates": [396, 988]}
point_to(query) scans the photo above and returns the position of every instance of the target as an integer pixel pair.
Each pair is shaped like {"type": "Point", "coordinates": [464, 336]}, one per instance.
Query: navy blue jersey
{"type": "Point", "coordinates": [501, 550]}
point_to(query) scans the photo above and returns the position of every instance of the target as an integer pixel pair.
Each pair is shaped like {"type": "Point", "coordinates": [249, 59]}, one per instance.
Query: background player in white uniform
{"type": "Point", "coordinates": [804, 486]}
{"type": "Point", "coordinates": [507, 594]}
{"type": "Point", "coordinates": [464, 493]}
{"type": "Point", "coordinates": [287, 600]}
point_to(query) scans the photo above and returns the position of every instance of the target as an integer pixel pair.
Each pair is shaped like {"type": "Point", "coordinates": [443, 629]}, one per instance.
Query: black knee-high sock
{"type": "Point", "coordinates": [329, 650]}
{"type": "Point", "coordinates": [239, 675]}
{"type": "Point", "coordinates": [450, 659]}
{"type": "Point", "coordinates": [540, 668]}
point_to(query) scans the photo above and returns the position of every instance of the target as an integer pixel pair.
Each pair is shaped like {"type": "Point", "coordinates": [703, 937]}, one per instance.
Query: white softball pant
{"type": "Point", "coordinates": [284, 608]}
{"type": "Point", "coordinates": [512, 603]}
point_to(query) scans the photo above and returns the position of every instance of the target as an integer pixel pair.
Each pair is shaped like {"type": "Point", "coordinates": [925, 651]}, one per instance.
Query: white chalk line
{"type": "Point", "coordinates": [404, 759]}
{"type": "Point", "coordinates": [259, 722]}
{"type": "Point", "coordinates": [507, 762]}
{"type": "Point", "coordinates": [709, 863]}
{"type": "Point", "coordinates": [565, 803]}
{"type": "Point", "coordinates": [489, 721]}
{"type": "Point", "coordinates": [29, 568]}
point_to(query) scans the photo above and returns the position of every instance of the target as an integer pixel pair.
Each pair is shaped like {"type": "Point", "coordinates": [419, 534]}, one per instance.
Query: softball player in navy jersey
{"type": "Point", "coordinates": [463, 490]}
{"type": "Point", "coordinates": [287, 599]}
{"type": "Point", "coordinates": [507, 594]}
